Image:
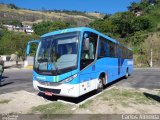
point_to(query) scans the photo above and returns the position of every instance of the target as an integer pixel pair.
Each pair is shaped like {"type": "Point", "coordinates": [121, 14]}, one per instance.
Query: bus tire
{"type": "Point", "coordinates": [127, 74]}
{"type": "Point", "coordinates": [100, 85]}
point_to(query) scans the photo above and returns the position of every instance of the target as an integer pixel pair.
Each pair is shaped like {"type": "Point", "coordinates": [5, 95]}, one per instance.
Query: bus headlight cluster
{"type": "Point", "coordinates": [69, 79]}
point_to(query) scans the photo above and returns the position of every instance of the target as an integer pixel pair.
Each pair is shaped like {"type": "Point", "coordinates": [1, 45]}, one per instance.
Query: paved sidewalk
{"type": "Point", "coordinates": [12, 64]}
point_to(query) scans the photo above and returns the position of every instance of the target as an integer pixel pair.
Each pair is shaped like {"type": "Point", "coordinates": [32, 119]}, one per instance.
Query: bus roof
{"type": "Point", "coordinates": [81, 29]}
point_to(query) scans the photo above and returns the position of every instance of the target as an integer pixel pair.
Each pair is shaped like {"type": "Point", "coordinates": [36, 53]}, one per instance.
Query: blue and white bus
{"type": "Point", "coordinates": [75, 61]}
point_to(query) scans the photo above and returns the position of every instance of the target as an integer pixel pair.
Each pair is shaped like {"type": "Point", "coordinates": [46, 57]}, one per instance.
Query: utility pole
{"type": "Point", "coordinates": [151, 50]}
{"type": "Point", "coordinates": [151, 62]}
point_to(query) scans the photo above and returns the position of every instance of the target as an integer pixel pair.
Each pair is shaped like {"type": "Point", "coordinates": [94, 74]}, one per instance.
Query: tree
{"type": "Point", "coordinates": [12, 22]}
{"type": "Point", "coordinates": [11, 42]}
{"type": "Point", "coordinates": [134, 7]}
{"type": "Point", "coordinates": [106, 16]}
{"type": "Point", "coordinates": [124, 21]}
{"type": "Point", "coordinates": [140, 24]}
{"type": "Point", "coordinates": [13, 6]}
{"type": "Point", "coordinates": [44, 27]}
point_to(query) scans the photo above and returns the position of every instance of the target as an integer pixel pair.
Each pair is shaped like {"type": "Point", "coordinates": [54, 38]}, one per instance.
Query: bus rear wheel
{"type": "Point", "coordinates": [127, 74]}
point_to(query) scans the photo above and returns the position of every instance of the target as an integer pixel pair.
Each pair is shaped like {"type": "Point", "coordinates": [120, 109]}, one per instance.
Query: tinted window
{"type": "Point", "coordinates": [130, 55]}
{"type": "Point", "coordinates": [103, 48]}
{"type": "Point", "coordinates": [106, 48]}
{"type": "Point", "coordinates": [126, 53]}
{"type": "Point", "coordinates": [111, 49]}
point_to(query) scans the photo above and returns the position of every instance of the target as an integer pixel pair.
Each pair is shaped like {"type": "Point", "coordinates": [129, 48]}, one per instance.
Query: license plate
{"type": "Point", "coordinates": [48, 93]}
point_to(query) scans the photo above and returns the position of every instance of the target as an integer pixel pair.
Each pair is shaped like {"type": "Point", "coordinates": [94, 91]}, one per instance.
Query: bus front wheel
{"type": "Point", "coordinates": [100, 85]}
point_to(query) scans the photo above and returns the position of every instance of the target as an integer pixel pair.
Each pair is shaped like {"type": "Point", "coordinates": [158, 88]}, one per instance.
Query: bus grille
{"type": "Point", "coordinates": [49, 83]}
{"type": "Point", "coordinates": [56, 91]}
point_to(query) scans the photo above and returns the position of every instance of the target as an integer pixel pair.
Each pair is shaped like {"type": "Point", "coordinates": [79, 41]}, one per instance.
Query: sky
{"type": "Point", "coordinates": [102, 6]}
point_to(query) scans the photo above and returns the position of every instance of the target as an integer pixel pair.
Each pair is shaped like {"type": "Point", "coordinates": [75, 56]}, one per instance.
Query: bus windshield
{"type": "Point", "coordinates": [57, 53]}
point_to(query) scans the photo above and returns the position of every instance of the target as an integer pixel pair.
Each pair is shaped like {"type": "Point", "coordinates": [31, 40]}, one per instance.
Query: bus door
{"type": "Point", "coordinates": [119, 51]}
{"type": "Point", "coordinates": [87, 66]}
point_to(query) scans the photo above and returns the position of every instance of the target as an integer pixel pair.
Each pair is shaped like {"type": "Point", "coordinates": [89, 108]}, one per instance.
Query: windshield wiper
{"type": "Point", "coordinates": [39, 61]}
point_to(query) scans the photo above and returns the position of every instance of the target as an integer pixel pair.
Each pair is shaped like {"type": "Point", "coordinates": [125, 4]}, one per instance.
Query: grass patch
{"type": "Point", "coordinates": [12, 113]}
{"type": "Point", "coordinates": [125, 97]}
{"type": "Point", "coordinates": [124, 104]}
{"type": "Point", "coordinates": [53, 108]}
{"type": "Point", "coordinates": [4, 101]}
{"type": "Point", "coordinates": [86, 104]}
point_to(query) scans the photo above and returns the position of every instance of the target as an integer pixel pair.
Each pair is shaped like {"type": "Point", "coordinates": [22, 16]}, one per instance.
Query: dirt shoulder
{"type": "Point", "coordinates": [123, 101]}
{"type": "Point", "coordinates": [19, 102]}
{"type": "Point", "coordinates": [111, 101]}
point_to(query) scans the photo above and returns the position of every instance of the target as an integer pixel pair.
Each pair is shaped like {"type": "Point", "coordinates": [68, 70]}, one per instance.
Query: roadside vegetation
{"type": "Point", "coordinates": [126, 96]}
{"type": "Point", "coordinates": [86, 104]}
{"type": "Point", "coordinates": [4, 101]}
{"type": "Point", "coordinates": [12, 42]}
{"type": "Point", "coordinates": [54, 110]}
{"type": "Point", "coordinates": [138, 28]}
{"type": "Point", "coordinates": [123, 97]}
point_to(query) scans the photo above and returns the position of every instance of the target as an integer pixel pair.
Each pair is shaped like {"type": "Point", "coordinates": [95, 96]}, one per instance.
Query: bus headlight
{"type": "Point", "coordinates": [69, 79]}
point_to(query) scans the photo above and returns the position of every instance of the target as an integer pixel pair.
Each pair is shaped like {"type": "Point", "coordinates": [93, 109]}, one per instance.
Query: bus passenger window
{"type": "Point", "coordinates": [101, 49]}
{"type": "Point", "coordinates": [106, 48]}
{"type": "Point", "coordinates": [111, 49]}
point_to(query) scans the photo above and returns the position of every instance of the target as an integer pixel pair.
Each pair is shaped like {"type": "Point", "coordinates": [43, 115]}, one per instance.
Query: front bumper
{"type": "Point", "coordinates": [69, 90]}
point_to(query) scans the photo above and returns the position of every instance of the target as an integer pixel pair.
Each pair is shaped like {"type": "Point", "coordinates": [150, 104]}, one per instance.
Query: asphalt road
{"type": "Point", "coordinates": [15, 80]}
{"type": "Point", "coordinates": [142, 78]}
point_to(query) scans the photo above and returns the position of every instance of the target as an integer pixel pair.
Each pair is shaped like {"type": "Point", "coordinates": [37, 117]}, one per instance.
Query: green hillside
{"type": "Point", "coordinates": [43, 21]}
{"type": "Point", "coordinates": [10, 11]}
{"type": "Point", "coordinates": [138, 28]}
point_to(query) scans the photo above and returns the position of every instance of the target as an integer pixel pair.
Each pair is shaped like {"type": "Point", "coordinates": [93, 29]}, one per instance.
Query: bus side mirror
{"type": "Point", "coordinates": [28, 49]}
{"type": "Point", "coordinates": [29, 46]}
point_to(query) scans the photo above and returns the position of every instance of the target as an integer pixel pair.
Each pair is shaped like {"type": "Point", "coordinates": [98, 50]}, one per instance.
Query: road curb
{"type": "Point", "coordinates": [95, 95]}
{"type": "Point", "coordinates": [78, 104]}
{"type": "Point", "coordinates": [29, 67]}
{"type": "Point", "coordinates": [148, 69]}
